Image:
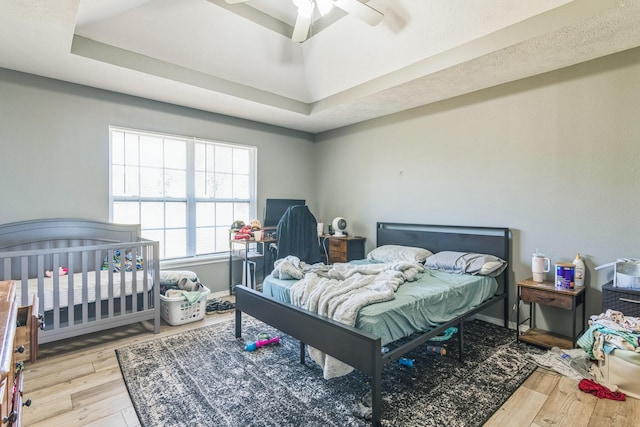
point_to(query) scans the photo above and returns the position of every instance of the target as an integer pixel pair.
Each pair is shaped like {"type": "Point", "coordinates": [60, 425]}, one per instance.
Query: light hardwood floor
{"type": "Point", "coordinates": [78, 383]}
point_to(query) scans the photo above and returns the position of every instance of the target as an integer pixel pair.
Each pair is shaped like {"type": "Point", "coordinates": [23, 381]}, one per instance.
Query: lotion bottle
{"type": "Point", "coordinates": [579, 271]}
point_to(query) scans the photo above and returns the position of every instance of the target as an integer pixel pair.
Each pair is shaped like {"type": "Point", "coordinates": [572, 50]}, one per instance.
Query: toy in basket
{"type": "Point", "coordinates": [177, 310]}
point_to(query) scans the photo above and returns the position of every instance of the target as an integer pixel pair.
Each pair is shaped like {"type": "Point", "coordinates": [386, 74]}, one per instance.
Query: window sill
{"type": "Point", "coordinates": [193, 261]}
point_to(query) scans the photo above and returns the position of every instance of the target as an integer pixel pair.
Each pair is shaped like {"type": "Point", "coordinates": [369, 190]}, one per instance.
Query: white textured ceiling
{"type": "Point", "coordinates": [238, 59]}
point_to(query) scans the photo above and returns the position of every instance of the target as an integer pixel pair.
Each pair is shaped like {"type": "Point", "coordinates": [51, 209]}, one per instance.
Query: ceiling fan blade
{"type": "Point", "coordinates": [301, 28]}
{"type": "Point", "coordinates": [365, 12]}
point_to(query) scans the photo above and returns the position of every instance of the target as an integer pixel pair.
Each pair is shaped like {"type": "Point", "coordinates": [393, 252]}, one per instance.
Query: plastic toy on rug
{"type": "Point", "coordinates": [252, 346]}
{"type": "Point", "coordinates": [437, 349]}
{"type": "Point", "coordinates": [406, 362]}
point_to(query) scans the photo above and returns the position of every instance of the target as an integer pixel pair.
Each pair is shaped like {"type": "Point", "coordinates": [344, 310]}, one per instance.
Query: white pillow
{"type": "Point", "coordinates": [393, 253]}
{"type": "Point", "coordinates": [466, 262]}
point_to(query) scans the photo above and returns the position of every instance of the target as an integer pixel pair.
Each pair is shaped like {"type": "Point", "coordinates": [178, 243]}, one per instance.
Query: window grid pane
{"type": "Point", "coordinates": [184, 192]}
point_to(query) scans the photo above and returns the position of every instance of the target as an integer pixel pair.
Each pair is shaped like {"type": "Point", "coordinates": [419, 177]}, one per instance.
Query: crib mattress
{"type": "Point", "coordinates": [434, 298]}
{"type": "Point", "coordinates": [66, 281]}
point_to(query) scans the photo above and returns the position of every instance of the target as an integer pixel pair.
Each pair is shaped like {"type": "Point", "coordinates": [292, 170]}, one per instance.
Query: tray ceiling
{"type": "Point", "coordinates": [238, 59]}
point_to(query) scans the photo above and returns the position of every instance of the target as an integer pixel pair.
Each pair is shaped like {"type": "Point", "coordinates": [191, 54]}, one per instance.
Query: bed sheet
{"type": "Point", "coordinates": [77, 287]}
{"type": "Point", "coordinates": [434, 298]}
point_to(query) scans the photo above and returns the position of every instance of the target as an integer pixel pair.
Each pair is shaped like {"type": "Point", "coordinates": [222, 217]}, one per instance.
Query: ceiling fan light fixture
{"type": "Point", "coordinates": [324, 6]}
{"type": "Point", "coordinates": [305, 7]}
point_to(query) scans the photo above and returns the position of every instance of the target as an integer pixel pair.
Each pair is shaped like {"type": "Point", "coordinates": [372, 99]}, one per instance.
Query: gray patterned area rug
{"type": "Point", "coordinates": [204, 377]}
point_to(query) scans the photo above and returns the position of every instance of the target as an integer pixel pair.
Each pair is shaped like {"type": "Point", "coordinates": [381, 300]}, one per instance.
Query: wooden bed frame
{"type": "Point", "coordinates": [29, 248]}
{"type": "Point", "coordinates": [363, 350]}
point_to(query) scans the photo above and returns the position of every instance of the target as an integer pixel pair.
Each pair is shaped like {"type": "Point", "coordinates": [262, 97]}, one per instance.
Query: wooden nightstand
{"type": "Point", "coordinates": [547, 294]}
{"type": "Point", "coordinates": [343, 249]}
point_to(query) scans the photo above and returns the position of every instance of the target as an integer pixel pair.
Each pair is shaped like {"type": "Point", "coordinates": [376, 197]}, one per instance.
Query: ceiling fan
{"type": "Point", "coordinates": [306, 8]}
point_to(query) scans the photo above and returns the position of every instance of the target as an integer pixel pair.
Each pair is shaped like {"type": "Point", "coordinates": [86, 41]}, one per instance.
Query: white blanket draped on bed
{"type": "Point", "coordinates": [342, 291]}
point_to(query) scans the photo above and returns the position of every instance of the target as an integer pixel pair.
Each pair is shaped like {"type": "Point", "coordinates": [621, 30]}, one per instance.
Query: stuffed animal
{"type": "Point", "coordinates": [255, 224]}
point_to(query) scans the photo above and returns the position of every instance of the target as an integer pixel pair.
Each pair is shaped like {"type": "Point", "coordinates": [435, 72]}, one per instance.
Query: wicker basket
{"type": "Point", "coordinates": [178, 311]}
{"type": "Point", "coordinates": [621, 299]}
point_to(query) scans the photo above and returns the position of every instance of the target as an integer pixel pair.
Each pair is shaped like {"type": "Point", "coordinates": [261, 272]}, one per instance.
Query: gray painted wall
{"type": "Point", "coordinates": [54, 161]}
{"type": "Point", "coordinates": [554, 157]}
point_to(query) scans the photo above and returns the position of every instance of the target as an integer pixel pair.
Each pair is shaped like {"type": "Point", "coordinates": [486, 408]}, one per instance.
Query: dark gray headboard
{"type": "Point", "coordinates": [436, 238]}
{"type": "Point", "coordinates": [460, 238]}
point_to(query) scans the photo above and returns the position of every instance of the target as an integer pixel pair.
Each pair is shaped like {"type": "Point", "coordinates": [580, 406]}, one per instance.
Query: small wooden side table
{"type": "Point", "coordinates": [547, 294]}
{"type": "Point", "coordinates": [342, 249]}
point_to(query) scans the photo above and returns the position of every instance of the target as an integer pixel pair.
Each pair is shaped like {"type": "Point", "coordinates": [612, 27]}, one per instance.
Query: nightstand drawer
{"type": "Point", "coordinates": [546, 298]}
{"type": "Point", "coordinates": [621, 299]}
{"type": "Point", "coordinates": [343, 248]}
{"type": "Point", "coordinates": [337, 246]}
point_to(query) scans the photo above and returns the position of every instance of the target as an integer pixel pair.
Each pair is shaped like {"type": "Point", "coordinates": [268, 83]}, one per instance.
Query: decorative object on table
{"type": "Point", "coordinates": [255, 224]}
{"type": "Point", "coordinates": [339, 225]}
{"type": "Point", "coordinates": [237, 225]}
{"type": "Point", "coordinates": [579, 271]}
{"type": "Point", "coordinates": [540, 265]}
{"type": "Point", "coordinates": [565, 275]}
{"type": "Point", "coordinates": [244, 233]}
{"type": "Point", "coordinates": [210, 366]}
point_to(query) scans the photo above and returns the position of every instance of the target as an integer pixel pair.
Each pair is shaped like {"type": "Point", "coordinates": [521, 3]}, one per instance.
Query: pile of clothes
{"type": "Point", "coordinates": [607, 332]}
{"type": "Point", "coordinates": [185, 284]}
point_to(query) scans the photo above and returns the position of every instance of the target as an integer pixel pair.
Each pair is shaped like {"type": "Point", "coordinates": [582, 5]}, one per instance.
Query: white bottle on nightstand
{"type": "Point", "coordinates": [579, 271]}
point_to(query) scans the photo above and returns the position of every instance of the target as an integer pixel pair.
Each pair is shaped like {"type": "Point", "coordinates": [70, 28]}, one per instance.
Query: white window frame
{"type": "Point", "coordinates": [190, 199]}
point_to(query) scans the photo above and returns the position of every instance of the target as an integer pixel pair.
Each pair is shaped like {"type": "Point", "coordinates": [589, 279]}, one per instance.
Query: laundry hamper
{"type": "Point", "coordinates": [178, 311]}
{"type": "Point", "coordinates": [622, 368]}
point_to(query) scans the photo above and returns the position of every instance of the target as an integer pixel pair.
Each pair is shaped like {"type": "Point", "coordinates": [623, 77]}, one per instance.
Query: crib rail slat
{"type": "Point", "coordinates": [93, 294]}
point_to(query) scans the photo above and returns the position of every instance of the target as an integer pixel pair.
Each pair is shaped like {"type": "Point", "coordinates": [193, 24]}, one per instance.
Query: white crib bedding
{"type": "Point", "coordinates": [91, 287]}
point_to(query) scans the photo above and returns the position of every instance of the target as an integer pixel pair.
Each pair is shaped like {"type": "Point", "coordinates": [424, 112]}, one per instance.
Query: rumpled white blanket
{"type": "Point", "coordinates": [343, 291]}
{"type": "Point", "coordinates": [291, 267]}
